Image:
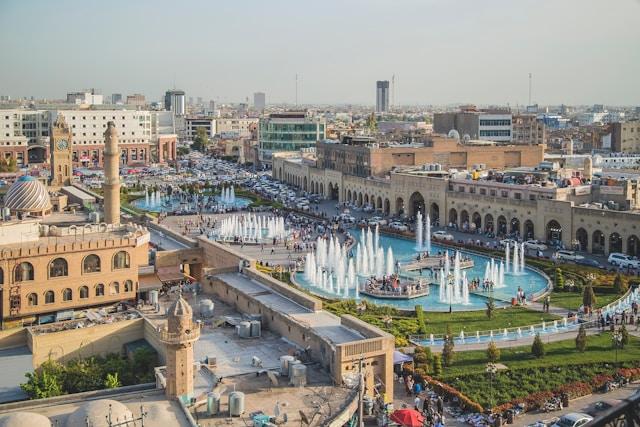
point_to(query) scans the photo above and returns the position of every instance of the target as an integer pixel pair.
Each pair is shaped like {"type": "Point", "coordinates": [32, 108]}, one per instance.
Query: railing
{"type": "Point", "coordinates": [177, 338]}
{"type": "Point", "coordinates": [626, 414]}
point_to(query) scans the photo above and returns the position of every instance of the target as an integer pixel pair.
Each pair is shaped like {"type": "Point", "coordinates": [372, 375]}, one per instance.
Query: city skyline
{"type": "Point", "coordinates": [440, 52]}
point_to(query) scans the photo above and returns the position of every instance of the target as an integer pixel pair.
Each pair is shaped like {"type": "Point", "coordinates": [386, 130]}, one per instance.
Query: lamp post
{"type": "Point", "coordinates": [491, 369]}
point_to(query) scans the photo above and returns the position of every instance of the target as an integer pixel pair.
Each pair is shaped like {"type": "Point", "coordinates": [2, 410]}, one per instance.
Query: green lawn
{"type": "Point", "coordinates": [558, 353]}
{"type": "Point", "coordinates": [573, 300]}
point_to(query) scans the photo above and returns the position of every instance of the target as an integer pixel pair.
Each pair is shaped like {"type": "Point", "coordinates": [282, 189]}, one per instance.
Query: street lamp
{"type": "Point", "coordinates": [491, 369]}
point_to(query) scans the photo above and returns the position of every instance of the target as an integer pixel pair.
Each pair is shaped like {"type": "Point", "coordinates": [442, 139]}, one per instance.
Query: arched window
{"type": "Point", "coordinates": [91, 264]}
{"type": "Point", "coordinates": [58, 268]}
{"type": "Point", "coordinates": [99, 290]}
{"type": "Point", "coordinates": [121, 260]}
{"type": "Point", "coordinates": [23, 272]}
{"type": "Point", "coordinates": [114, 288]}
{"type": "Point", "coordinates": [84, 292]}
{"type": "Point", "coordinates": [1, 276]}
{"type": "Point", "coordinates": [32, 300]}
{"type": "Point", "coordinates": [128, 286]}
{"type": "Point", "coordinates": [49, 297]}
{"type": "Point", "coordinates": [67, 294]}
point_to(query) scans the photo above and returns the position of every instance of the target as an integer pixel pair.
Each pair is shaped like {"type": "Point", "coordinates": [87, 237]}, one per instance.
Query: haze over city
{"type": "Point", "coordinates": [441, 52]}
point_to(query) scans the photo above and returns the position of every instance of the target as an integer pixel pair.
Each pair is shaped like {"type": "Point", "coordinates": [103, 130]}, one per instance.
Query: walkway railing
{"type": "Point", "coordinates": [626, 414]}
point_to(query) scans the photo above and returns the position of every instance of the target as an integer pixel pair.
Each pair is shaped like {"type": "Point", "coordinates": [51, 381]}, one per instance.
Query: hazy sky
{"type": "Point", "coordinates": [441, 51]}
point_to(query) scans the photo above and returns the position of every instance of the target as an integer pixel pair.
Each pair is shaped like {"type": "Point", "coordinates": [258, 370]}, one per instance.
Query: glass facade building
{"type": "Point", "coordinates": [288, 132]}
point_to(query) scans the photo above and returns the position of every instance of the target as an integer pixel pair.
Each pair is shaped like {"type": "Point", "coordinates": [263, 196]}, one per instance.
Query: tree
{"type": "Point", "coordinates": [437, 365]}
{"type": "Point", "coordinates": [619, 284]}
{"type": "Point", "coordinates": [422, 326]}
{"type": "Point", "coordinates": [112, 381]}
{"type": "Point", "coordinates": [45, 381]}
{"type": "Point", "coordinates": [371, 123]}
{"type": "Point", "coordinates": [447, 350]}
{"type": "Point", "coordinates": [581, 339]}
{"type": "Point", "coordinates": [624, 336]}
{"type": "Point", "coordinates": [201, 141]}
{"type": "Point", "coordinates": [491, 307]}
{"type": "Point", "coordinates": [537, 348]}
{"type": "Point", "coordinates": [493, 352]}
{"type": "Point", "coordinates": [588, 298]}
{"type": "Point", "coordinates": [559, 279]}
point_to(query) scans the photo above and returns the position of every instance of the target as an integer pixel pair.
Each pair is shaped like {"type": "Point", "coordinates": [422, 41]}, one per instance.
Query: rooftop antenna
{"type": "Point", "coordinates": [529, 89]}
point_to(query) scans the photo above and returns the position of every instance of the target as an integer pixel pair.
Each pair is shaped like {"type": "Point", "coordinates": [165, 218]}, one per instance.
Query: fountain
{"type": "Point", "coordinates": [532, 330]}
{"type": "Point", "coordinates": [419, 231]}
{"type": "Point", "coordinates": [516, 263]}
{"type": "Point", "coordinates": [454, 288]}
{"type": "Point", "coordinates": [462, 337]}
{"type": "Point", "coordinates": [555, 325]}
{"type": "Point", "coordinates": [505, 334]}
{"type": "Point", "coordinates": [491, 335]}
{"type": "Point", "coordinates": [544, 326]}
{"type": "Point", "coordinates": [564, 321]}
{"type": "Point", "coordinates": [428, 234]}
{"type": "Point", "coordinates": [506, 256]}
{"type": "Point", "coordinates": [522, 258]}
{"type": "Point", "coordinates": [519, 333]}
{"type": "Point", "coordinates": [431, 338]}
{"type": "Point", "coordinates": [478, 336]}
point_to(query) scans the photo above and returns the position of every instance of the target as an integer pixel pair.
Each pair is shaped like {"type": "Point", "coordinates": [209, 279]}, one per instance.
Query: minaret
{"type": "Point", "coordinates": [111, 186]}
{"type": "Point", "coordinates": [178, 338]}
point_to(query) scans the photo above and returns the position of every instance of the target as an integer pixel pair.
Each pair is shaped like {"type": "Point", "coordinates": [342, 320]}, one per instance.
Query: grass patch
{"type": "Point", "coordinates": [573, 300]}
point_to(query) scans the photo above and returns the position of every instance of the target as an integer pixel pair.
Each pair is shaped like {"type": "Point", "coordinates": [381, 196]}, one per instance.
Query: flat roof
{"type": "Point", "coordinates": [323, 323]}
{"type": "Point", "coordinates": [14, 364]}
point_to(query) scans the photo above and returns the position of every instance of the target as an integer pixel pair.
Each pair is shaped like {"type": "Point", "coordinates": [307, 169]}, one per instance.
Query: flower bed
{"type": "Point", "coordinates": [452, 393]}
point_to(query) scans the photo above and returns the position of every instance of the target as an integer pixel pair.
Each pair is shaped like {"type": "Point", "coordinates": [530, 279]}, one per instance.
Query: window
{"type": "Point", "coordinates": [99, 290]}
{"type": "Point", "coordinates": [84, 292]}
{"type": "Point", "coordinates": [32, 300]}
{"type": "Point", "coordinates": [483, 191]}
{"type": "Point", "coordinates": [91, 264]}
{"type": "Point", "coordinates": [24, 272]}
{"type": "Point", "coordinates": [128, 286]}
{"type": "Point", "coordinates": [49, 297]}
{"type": "Point", "coordinates": [121, 260]}
{"type": "Point", "coordinates": [67, 295]}
{"type": "Point", "coordinates": [114, 288]}
{"type": "Point", "coordinates": [492, 193]}
{"type": "Point", "coordinates": [518, 196]}
{"type": "Point", "coordinates": [504, 193]}
{"type": "Point", "coordinates": [1, 276]}
{"type": "Point", "coordinates": [58, 268]}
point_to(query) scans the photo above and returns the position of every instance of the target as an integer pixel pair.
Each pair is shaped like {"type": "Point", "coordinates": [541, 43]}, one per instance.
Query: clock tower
{"type": "Point", "coordinates": [60, 149]}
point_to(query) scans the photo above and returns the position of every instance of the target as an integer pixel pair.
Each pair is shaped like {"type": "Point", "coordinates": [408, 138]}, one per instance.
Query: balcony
{"type": "Point", "coordinates": [176, 339]}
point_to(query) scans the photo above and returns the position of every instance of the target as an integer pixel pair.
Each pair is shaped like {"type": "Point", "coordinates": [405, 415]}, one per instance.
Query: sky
{"type": "Point", "coordinates": [441, 51]}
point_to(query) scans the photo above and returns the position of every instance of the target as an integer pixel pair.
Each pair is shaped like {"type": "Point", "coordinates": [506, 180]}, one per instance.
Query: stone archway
{"type": "Point", "coordinates": [366, 199]}
{"type": "Point", "coordinates": [615, 242]}
{"type": "Point", "coordinates": [582, 238]}
{"type": "Point", "coordinates": [502, 225]}
{"type": "Point", "coordinates": [434, 212]}
{"type": "Point", "coordinates": [515, 226]}
{"type": "Point", "coordinates": [489, 226]}
{"type": "Point", "coordinates": [334, 192]}
{"type": "Point", "coordinates": [304, 183]}
{"type": "Point", "coordinates": [453, 216]}
{"type": "Point", "coordinates": [322, 189]}
{"type": "Point", "coordinates": [400, 206]}
{"type": "Point", "coordinates": [529, 230]}
{"type": "Point", "coordinates": [349, 195]}
{"type": "Point", "coordinates": [633, 246]}
{"type": "Point", "coordinates": [379, 203]}
{"type": "Point", "coordinates": [464, 219]}
{"type": "Point", "coordinates": [416, 203]}
{"type": "Point", "coordinates": [359, 199]}
{"type": "Point", "coordinates": [476, 219]}
{"type": "Point", "coordinates": [554, 231]}
{"type": "Point", "coordinates": [387, 207]}
{"type": "Point", "coordinates": [598, 242]}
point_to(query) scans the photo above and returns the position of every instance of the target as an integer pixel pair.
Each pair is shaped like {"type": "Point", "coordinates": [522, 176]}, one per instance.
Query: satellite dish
{"type": "Point", "coordinates": [454, 134]}
{"type": "Point", "coordinates": [466, 138]}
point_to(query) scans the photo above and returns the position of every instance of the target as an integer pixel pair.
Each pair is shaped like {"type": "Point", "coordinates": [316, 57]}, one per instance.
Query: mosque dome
{"type": "Point", "coordinates": [96, 413]}
{"type": "Point", "coordinates": [21, 419]}
{"type": "Point", "coordinates": [28, 195]}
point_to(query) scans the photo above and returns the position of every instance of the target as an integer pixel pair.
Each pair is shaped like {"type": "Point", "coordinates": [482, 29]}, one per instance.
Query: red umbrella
{"type": "Point", "coordinates": [408, 417]}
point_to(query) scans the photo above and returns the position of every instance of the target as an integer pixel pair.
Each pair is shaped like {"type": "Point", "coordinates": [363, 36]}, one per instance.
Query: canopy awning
{"type": "Point", "coordinates": [399, 357]}
{"type": "Point", "coordinates": [149, 282]}
{"type": "Point", "coordinates": [170, 274]}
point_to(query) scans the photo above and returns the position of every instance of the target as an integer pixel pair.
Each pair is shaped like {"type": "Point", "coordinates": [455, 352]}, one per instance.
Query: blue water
{"type": "Point", "coordinates": [175, 205]}
{"type": "Point", "coordinates": [404, 250]}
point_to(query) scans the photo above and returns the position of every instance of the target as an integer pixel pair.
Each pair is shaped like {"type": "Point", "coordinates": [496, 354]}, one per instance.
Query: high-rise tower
{"type": "Point", "coordinates": [60, 149]}
{"type": "Point", "coordinates": [111, 186]}
{"type": "Point", "coordinates": [179, 337]}
{"type": "Point", "coordinates": [382, 96]}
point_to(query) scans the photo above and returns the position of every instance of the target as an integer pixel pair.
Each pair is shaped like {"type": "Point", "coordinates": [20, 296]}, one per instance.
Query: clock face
{"type": "Point", "coordinates": [62, 144]}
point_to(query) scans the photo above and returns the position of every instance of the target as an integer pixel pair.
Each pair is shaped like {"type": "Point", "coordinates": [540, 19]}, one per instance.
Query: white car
{"type": "Point", "coordinates": [623, 261]}
{"type": "Point", "coordinates": [442, 235]}
{"type": "Point", "coordinates": [573, 419]}
{"type": "Point", "coordinates": [535, 245]}
{"type": "Point", "coordinates": [398, 226]}
{"type": "Point", "coordinates": [509, 242]}
{"type": "Point", "coordinates": [568, 255]}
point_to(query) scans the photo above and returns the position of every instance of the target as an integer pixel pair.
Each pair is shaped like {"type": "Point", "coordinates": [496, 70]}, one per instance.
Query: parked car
{"type": "Point", "coordinates": [622, 260]}
{"type": "Point", "coordinates": [567, 255]}
{"type": "Point", "coordinates": [442, 235]}
{"type": "Point", "coordinates": [398, 226]}
{"type": "Point", "coordinates": [573, 419]}
{"type": "Point", "coordinates": [588, 262]}
{"type": "Point", "coordinates": [509, 242]}
{"type": "Point", "coordinates": [535, 245]}
{"type": "Point", "coordinates": [596, 408]}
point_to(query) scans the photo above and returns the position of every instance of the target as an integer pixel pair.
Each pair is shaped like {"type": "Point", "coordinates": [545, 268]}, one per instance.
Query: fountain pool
{"type": "Point", "coordinates": [403, 250]}
{"type": "Point", "coordinates": [177, 203]}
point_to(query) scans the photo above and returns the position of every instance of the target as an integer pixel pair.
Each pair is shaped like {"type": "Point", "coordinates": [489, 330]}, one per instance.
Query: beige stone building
{"type": "Point", "coordinates": [527, 129]}
{"type": "Point", "coordinates": [625, 137]}
{"type": "Point", "coordinates": [47, 272]}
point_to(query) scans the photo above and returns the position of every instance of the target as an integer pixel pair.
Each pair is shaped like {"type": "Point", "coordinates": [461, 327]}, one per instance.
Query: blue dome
{"type": "Point", "coordinates": [25, 178]}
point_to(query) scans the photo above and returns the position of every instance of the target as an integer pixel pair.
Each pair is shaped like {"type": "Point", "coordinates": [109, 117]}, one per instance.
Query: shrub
{"type": "Point", "coordinates": [620, 284]}
{"type": "Point", "coordinates": [493, 352]}
{"type": "Point", "coordinates": [631, 374]}
{"type": "Point", "coordinates": [447, 350]}
{"type": "Point", "coordinates": [559, 279]}
{"type": "Point", "coordinates": [581, 339]}
{"type": "Point", "coordinates": [451, 393]}
{"type": "Point", "coordinates": [599, 381]}
{"type": "Point", "coordinates": [537, 400]}
{"type": "Point", "coordinates": [437, 365]}
{"type": "Point", "coordinates": [588, 297]}
{"type": "Point", "coordinates": [624, 336]}
{"type": "Point", "coordinates": [491, 307]}
{"type": "Point", "coordinates": [422, 326]}
{"type": "Point", "coordinates": [537, 348]}
{"type": "Point", "coordinates": [575, 389]}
